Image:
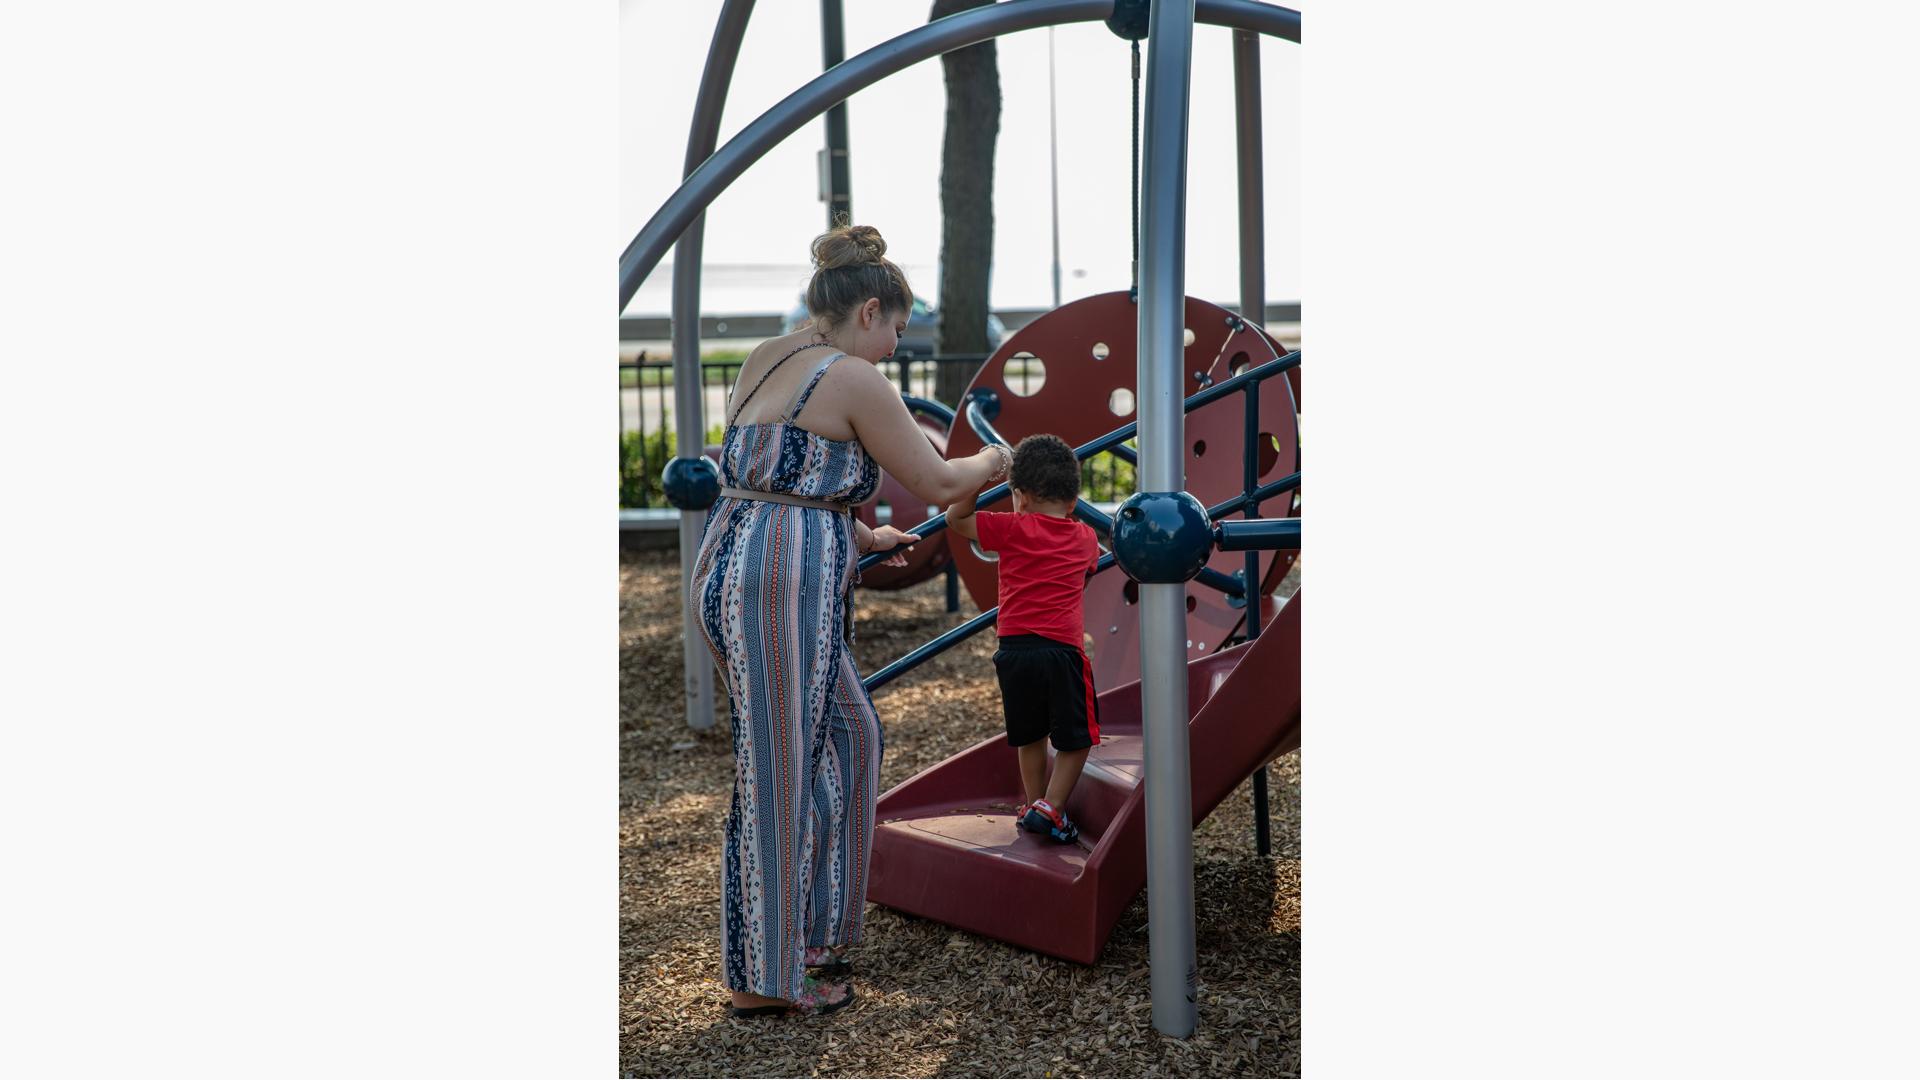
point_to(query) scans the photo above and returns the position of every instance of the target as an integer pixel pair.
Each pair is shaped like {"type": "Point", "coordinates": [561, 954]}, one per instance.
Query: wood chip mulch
{"type": "Point", "coordinates": [932, 1001]}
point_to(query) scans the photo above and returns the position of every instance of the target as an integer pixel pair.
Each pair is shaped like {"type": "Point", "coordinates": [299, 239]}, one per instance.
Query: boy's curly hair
{"type": "Point", "coordinates": [1044, 468]}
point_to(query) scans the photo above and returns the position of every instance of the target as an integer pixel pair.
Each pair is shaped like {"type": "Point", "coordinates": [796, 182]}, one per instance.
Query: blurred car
{"type": "Point", "coordinates": [923, 329]}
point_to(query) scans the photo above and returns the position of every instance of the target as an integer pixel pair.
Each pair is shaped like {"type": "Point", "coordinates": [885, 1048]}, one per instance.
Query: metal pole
{"type": "Point", "coordinates": [838, 173]}
{"type": "Point", "coordinates": [1053, 171]}
{"type": "Point", "coordinates": [1247, 125]}
{"type": "Point", "coordinates": [644, 252]}
{"type": "Point", "coordinates": [1262, 823]}
{"type": "Point", "coordinates": [1253, 309]}
{"type": "Point", "coordinates": [1163, 613]}
{"type": "Point", "coordinates": [689, 391]}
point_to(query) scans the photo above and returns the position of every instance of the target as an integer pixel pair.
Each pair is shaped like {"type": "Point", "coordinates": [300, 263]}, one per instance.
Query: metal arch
{"type": "Point", "coordinates": [689, 408]}
{"type": "Point", "coordinates": [831, 87]}
{"type": "Point", "coordinates": [1269, 19]}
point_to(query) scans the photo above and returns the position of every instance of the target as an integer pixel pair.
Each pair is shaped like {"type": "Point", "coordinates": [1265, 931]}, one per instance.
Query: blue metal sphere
{"type": "Point", "coordinates": [1160, 537]}
{"type": "Point", "coordinates": [691, 483]}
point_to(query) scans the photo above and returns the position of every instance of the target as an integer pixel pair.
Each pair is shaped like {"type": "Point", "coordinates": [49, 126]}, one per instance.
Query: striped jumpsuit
{"type": "Point", "coordinates": [773, 584]}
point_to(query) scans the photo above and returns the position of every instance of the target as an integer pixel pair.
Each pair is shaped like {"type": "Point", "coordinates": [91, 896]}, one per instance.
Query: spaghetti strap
{"type": "Point", "coordinates": [741, 406]}
{"type": "Point", "coordinates": [806, 389]}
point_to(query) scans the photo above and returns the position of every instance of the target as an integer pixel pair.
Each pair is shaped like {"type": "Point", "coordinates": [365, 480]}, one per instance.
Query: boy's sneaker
{"type": "Point", "coordinates": [1043, 818]}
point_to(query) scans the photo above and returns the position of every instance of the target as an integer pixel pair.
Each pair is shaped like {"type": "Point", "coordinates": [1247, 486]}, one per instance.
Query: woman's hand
{"type": "Point", "coordinates": [888, 538]}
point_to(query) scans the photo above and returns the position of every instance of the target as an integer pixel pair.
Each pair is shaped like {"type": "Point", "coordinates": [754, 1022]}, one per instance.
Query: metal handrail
{"type": "Point", "coordinates": [1120, 434]}
{"type": "Point", "coordinates": [1246, 380]}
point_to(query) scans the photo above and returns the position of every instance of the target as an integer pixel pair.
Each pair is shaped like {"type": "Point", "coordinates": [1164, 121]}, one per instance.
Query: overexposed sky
{"type": "Point", "coordinates": [772, 211]}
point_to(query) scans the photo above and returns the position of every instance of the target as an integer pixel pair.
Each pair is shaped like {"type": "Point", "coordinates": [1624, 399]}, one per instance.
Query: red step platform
{"type": "Point", "coordinates": [946, 846]}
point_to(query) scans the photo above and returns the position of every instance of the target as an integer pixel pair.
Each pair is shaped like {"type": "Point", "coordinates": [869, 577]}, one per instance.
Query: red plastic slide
{"type": "Point", "coordinates": [946, 846]}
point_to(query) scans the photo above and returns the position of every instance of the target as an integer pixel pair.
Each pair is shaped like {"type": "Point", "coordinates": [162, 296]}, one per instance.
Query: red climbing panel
{"type": "Point", "coordinates": [946, 847]}
{"type": "Point", "coordinates": [1087, 351]}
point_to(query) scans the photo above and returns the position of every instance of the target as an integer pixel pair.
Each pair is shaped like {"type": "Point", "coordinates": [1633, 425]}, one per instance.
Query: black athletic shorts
{"type": "Point", "coordinates": [1046, 688]}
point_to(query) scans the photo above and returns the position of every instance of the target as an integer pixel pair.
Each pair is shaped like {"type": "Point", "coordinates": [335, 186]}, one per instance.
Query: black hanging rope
{"type": "Point", "coordinates": [1134, 292]}
{"type": "Point", "coordinates": [1131, 19]}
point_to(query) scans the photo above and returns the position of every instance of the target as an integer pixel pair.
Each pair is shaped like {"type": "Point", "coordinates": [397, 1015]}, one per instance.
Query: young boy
{"type": "Point", "coordinates": [1046, 684]}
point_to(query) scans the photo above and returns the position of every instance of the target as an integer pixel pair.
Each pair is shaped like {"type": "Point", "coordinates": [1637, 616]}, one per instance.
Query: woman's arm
{"type": "Point", "coordinates": [885, 538]}
{"type": "Point", "coordinates": [886, 429]}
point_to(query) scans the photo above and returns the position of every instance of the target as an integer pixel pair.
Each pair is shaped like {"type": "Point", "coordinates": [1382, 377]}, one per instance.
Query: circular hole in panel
{"type": "Point", "coordinates": [1269, 447]}
{"type": "Point", "coordinates": [983, 556]}
{"type": "Point", "coordinates": [1130, 592]}
{"type": "Point", "coordinates": [883, 513]}
{"type": "Point", "coordinates": [1192, 602]}
{"type": "Point", "coordinates": [1100, 350]}
{"type": "Point", "coordinates": [1186, 335]}
{"type": "Point", "coordinates": [1239, 362]}
{"type": "Point", "coordinates": [1200, 448]}
{"type": "Point", "coordinates": [1024, 374]}
{"type": "Point", "coordinates": [1120, 402]}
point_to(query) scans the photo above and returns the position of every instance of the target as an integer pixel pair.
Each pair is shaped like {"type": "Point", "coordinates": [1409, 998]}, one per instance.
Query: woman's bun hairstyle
{"type": "Point", "coordinates": [850, 267]}
{"type": "Point", "coordinates": [849, 245]}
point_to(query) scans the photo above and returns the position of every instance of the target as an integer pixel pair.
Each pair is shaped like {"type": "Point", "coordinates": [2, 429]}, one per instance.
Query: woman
{"type": "Point", "coordinates": [810, 424]}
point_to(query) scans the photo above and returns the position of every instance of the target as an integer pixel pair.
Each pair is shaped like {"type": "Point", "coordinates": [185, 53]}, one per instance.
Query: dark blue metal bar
{"type": "Point", "coordinates": [990, 435]}
{"type": "Point", "coordinates": [1250, 480]}
{"type": "Point", "coordinates": [1212, 393]}
{"type": "Point", "coordinates": [1260, 494]}
{"type": "Point", "coordinates": [927, 405]}
{"type": "Point", "coordinates": [984, 429]}
{"type": "Point", "coordinates": [1265, 371]}
{"type": "Point", "coordinates": [949, 639]}
{"type": "Point", "coordinates": [931, 649]}
{"type": "Point", "coordinates": [1112, 439]}
{"type": "Point", "coordinates": [939, 521]}
{"type": "Point", "coordinates": [1209, 576]}
{"type": "Point", "coordinates": [1091, 514]}
{"type": "Point", "coordinates": [1259, 534]}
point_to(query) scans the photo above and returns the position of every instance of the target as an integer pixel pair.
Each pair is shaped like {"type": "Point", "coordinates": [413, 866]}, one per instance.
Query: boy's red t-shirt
{"type": "Point", "coordinates": [1044, 562]}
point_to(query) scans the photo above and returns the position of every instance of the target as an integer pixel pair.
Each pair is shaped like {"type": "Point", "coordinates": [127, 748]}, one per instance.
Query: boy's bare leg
{"type": "Point", "coordinates": [1033, 768]}
{"type": "Point", "coordinates": [1066, 772]}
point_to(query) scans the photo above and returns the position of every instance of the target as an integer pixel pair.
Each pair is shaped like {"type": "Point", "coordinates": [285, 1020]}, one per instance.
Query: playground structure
{"type": "Point", "coordinates": [946, 847]}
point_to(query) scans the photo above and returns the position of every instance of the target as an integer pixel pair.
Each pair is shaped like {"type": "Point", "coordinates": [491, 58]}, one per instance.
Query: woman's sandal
{"type": "Point", "coordinates": [824, 963]}
{"type": "Point", "coordinates": [816, 998]}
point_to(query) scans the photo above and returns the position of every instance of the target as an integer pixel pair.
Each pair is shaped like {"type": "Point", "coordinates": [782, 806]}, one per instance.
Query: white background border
{"type": "Point", "coordinates": [309, 587]}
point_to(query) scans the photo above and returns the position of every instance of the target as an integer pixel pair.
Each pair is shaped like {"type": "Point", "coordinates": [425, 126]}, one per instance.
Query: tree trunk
{"type": "Point", "coordinates": [966, 201]}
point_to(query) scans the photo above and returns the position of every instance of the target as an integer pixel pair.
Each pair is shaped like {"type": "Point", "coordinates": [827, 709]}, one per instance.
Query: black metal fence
{"type": "Point", "coordinates": [646, 418]}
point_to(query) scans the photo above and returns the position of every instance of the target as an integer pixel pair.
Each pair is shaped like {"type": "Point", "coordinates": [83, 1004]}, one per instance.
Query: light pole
{"type": "Point", "coordinates": [1053, 152]}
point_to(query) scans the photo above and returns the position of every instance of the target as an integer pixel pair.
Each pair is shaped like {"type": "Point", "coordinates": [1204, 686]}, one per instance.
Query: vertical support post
{"type": "Point", "coordinates": [1262, 822]}
{"type": "Point", "coordinates": [1247, 138]}
{"type": "Point", "coordinates": [1163, 613]}
{"type": "Point", "coordinates": [835, 174]}
{"type": "Point", "coordinates": [689, 391]}
{"type": "Point", "coordinates": [1053, 166]}
{"type": "Point", "coordinates": [689, 441]}
{"type": "Point", "coordinates": [1253, 309]}
{"type": "Point", "coordinates": [953, 584]}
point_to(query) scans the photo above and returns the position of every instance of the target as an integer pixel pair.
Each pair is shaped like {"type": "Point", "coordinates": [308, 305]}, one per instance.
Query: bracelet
{"type": "Point", "coordinates": [1006, 461]}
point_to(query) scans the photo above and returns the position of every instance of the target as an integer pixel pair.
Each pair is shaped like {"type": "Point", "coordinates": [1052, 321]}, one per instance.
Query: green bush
{"type": "Point", "coordinates": [642, 456]}
{"type": "Point", "coordinates": [1106, 478]}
